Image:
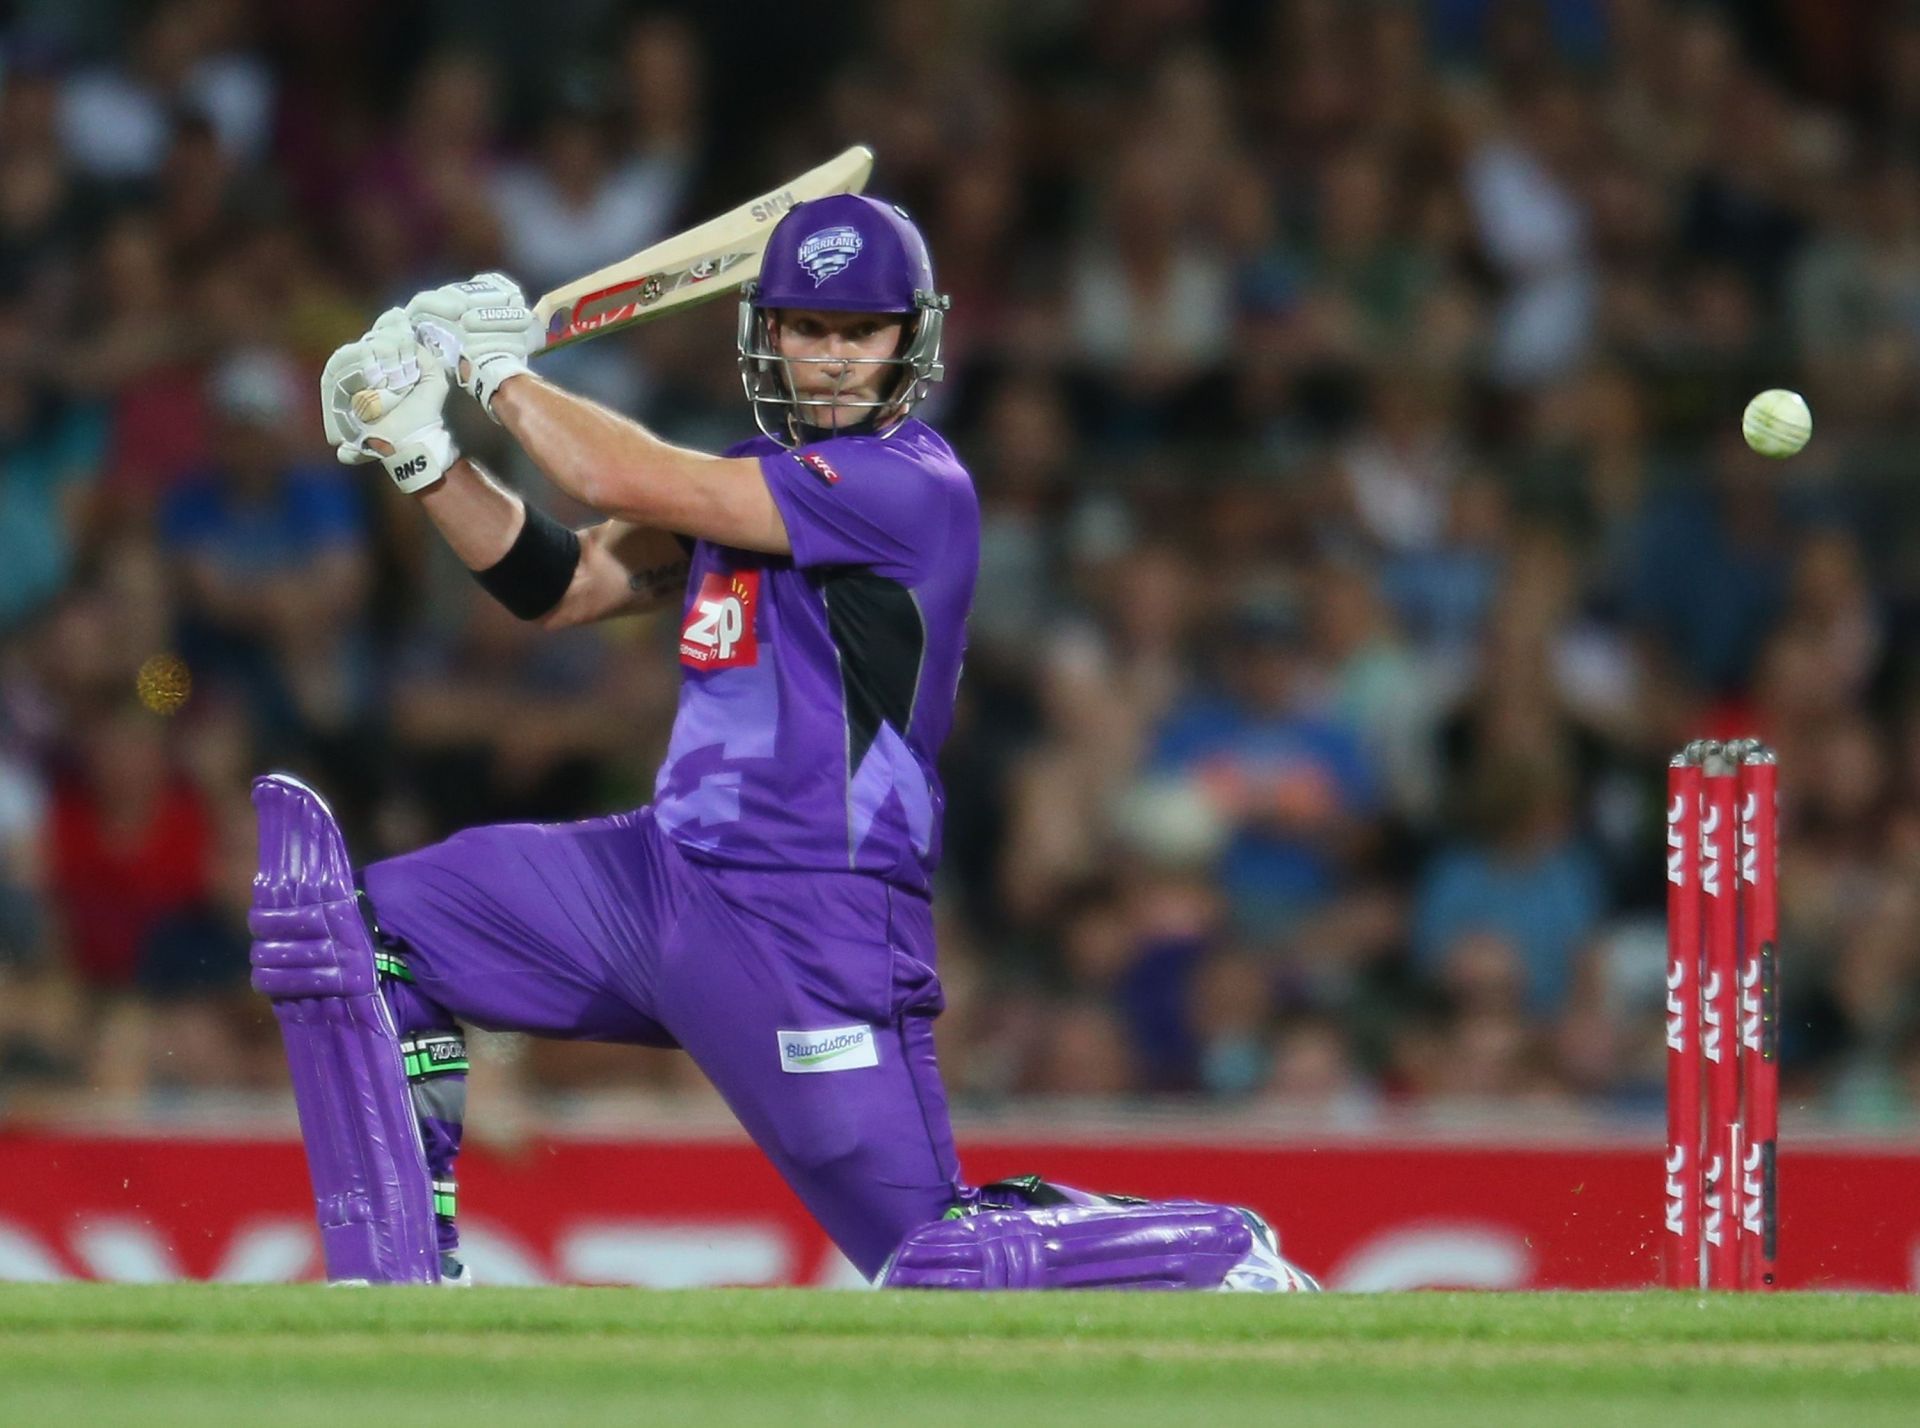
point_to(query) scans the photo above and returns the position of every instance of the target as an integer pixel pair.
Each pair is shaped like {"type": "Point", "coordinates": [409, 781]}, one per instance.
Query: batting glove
{"type": "Point", "coordinates": [436, 313]}
{"type": "Point", "coordinates": [381, 400]}
{"type": "Point", "coordinates": [482, 331]}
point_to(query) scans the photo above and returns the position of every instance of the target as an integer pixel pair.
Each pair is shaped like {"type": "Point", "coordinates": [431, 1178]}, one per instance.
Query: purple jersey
{"type": "Point", "coordinates": [816, 689]}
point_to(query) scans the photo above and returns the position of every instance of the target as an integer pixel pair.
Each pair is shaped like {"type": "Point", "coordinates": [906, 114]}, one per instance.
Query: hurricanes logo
{"type": "Point", "coordinates": [830, 251]}
{"type": "Point", "coordinates": [717, 632]}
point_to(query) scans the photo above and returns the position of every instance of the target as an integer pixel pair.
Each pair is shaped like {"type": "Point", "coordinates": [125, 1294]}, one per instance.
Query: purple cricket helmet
{"type": "Point", "coordinates": [843, 253]}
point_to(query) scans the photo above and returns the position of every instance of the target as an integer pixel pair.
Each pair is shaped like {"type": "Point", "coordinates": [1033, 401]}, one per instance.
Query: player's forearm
{"type": "Point", "coordinates": [478, 516]}
{"type": "Point", "coordinates": [620, 569]}
{"type": "Point", "coordinates": [598, 457]}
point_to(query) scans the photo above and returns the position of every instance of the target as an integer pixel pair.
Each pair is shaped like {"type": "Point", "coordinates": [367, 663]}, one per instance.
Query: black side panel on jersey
{"type": "Point", "coordinates": [876, 627]}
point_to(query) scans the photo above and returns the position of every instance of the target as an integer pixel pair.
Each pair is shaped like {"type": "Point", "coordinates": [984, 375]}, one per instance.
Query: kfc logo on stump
{"type": "Point", "coordinates": [718, 630]}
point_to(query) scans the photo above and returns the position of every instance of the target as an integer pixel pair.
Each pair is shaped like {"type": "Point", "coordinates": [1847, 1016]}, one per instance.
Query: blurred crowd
{"type": "Point", "coordinates": [1353, 391]}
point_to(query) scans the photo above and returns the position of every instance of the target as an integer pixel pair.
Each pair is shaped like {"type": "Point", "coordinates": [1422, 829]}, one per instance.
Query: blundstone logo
{"type": "Point", "coordinates": [840, 1048]}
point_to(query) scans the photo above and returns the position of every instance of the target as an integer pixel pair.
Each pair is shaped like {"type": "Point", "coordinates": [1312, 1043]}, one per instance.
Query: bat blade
{"type": "Point", "coordinates": [703, 263]}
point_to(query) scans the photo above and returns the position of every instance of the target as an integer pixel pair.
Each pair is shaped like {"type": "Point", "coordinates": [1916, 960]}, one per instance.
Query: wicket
{"type": "Point", "coordinates": [1723, 1025]}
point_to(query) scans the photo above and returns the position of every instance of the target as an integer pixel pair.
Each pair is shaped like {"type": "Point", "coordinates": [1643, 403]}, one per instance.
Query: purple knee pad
{"type": "Point", "coordinates": [312, 955]}
{"type": "Point", "coordinates": [1073, 1246]}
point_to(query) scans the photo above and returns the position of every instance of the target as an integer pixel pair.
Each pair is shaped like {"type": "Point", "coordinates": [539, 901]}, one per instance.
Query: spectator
{"type": "Point", "coordinates": [189, 56]}
{"type": "Point", "coordinates": [273, 557]}
{"type": "Point", "coordinates": [1523, 875]}
{"type": "Point", "coordinates": [1297, 787]}
{"type": "Point", "coordinates": [130, 842]}
{"type": "Point", "coordinates": [50, 451]}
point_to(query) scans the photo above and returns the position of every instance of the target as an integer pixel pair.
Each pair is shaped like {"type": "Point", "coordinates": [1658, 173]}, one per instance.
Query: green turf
{"type": "Point", "coordinates": [73, 1355]}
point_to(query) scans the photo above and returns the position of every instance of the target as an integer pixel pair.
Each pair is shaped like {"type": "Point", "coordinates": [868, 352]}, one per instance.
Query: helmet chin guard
{"type": "Point", "coordinates": [844, 253]}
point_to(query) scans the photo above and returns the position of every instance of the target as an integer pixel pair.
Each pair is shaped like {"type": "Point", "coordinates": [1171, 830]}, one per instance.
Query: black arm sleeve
{"type": "Point", "coordinates": [533, 576]}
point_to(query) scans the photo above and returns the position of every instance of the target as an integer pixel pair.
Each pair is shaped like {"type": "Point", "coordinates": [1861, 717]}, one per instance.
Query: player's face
{"type": "Point", "coordinates": [844, 344]}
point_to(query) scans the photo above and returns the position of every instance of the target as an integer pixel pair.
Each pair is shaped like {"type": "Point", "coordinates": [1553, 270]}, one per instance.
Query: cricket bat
{"type": "Point", "coordinates": [676, 273]}
{"type": "Point", "coordinates": [692, 267]}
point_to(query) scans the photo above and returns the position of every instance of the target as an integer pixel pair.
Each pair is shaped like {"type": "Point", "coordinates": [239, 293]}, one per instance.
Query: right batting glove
{"type": "Point", "coordinates": [482, 331]}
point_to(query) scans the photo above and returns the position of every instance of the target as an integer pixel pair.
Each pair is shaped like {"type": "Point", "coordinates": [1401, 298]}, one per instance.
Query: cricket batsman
{"type": "Point", "coordinates": [769, 910]}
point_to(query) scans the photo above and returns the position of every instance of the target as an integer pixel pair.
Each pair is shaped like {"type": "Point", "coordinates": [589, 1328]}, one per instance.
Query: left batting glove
{"type": "Point", "coordinates": [482, 330]}
{"type": "Point", "coordinates": [381, 400]}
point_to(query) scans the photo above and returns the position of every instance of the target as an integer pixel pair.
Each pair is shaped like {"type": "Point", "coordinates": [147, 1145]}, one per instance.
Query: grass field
{"type": "Point", "coordinates": [198, 1355]}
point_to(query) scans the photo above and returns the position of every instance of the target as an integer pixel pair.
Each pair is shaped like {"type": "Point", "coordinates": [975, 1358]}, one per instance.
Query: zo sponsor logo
{"type": "Point", "coordinates": [718, 632]}
{"type": "Point", "coordinates": [840, 1048]}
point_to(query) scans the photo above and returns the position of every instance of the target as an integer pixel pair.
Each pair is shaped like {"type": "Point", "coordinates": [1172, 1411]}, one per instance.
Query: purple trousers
{"type": "Point", "coordinates": [807, 998]}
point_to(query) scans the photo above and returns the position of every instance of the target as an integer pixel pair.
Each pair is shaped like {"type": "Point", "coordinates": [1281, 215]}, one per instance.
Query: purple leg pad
{"type": "Point", "coordinates": [1100, 1246]}
{"type": "Point", "coordinates": [312, 956]}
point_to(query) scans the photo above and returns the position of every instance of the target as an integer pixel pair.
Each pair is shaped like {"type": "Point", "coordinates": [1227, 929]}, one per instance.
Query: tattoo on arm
{"type": "Point", "coordinates": [656, 582]}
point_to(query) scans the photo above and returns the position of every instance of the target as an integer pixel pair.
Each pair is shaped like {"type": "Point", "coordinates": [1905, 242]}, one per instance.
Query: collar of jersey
{"type": "Point", "coordinates": [807, 434]}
